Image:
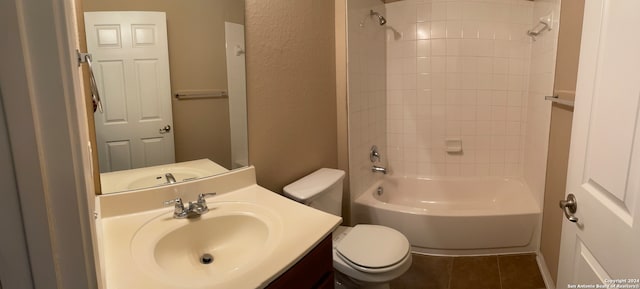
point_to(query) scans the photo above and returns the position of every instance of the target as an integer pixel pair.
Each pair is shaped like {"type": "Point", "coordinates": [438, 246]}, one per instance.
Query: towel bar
{"type": "Point", "coordinates": [201, 94]}
{"type": "Point", "coordinates": [556, 99]}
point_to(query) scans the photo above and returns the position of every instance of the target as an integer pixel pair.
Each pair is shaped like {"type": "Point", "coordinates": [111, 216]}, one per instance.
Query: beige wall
{"type": "Point", "coordinates": [341, 99]}
{"type": "Point", "coordinates": [197, 61]}
{"type": "Point", "coordinates": [560, 131]}
{"type": "Point", "coordinates": [291, 89]}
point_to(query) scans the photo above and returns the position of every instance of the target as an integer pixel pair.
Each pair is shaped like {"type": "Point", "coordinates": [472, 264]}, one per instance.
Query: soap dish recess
{"type": "Point", "coordinates": [453, 145]}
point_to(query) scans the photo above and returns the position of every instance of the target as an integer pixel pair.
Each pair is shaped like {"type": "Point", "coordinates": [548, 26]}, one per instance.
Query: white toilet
{"type": "Point", "coordinates": [364, 256]}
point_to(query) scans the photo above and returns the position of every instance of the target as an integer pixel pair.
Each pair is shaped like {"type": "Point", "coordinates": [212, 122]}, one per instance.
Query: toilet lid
{"type": "Point", "coordinates": [372, 246]}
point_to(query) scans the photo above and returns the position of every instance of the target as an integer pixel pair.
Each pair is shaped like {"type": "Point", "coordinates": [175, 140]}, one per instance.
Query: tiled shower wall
{"type": "Point", "coordinates": [367, 90]}
{"type": "Point", "coordinates": [543, 59]}
{"type": "Point", "coordinates": [460, 70]}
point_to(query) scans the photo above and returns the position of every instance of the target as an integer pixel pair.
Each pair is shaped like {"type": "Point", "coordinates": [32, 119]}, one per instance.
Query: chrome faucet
{"type": "Point", "coordinates": [192, 210]}
{"type": "Point", "coordinates": [378, 169]}
{"type": "Point", "coordinates": [170, 178]}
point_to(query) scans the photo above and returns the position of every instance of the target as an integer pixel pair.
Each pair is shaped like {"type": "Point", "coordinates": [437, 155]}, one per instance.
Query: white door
{"type": "Point", "coordinates": [131, 64]}
{"type": "Point", "coordinates": [603, 246]}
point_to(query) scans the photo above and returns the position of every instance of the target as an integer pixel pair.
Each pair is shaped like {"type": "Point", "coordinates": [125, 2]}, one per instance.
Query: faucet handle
{"type": "Point", "coordinates": [202, 197]}
{"type": "Point", "coordinates": [200, 206]}
{"type": "Point", "coordinates": [179, 210]}
{"type": "Point", "coordinates": [374, 155]}
{"type": "Point", "coordinates": [176, 201]}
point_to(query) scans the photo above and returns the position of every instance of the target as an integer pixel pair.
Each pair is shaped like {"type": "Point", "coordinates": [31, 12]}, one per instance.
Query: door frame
{"type": "Point", "coordinates": [48, 133]}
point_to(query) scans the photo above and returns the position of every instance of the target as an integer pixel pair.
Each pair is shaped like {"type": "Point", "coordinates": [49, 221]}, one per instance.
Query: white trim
{"type": "Point", "coordinates": [15, 94]}
{"type": "Point", "coordinates": [14, 258]}
{"type": "Point", "coordinates": [39, 87]}
{"type": "Point", "coordinates": [544, 271]}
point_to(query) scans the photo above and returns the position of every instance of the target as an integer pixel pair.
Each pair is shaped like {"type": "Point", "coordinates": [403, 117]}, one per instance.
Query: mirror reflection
{"type": "Point", "coordinates": [171, 82]}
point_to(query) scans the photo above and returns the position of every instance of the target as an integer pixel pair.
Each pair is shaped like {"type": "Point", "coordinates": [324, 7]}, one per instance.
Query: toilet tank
{"type": "Point", "coordinates": [321, 189]}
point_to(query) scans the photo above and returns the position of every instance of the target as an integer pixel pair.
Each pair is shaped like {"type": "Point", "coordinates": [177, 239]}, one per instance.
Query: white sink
{"type": "Point", "coordinates": [230, 239]}
{"type": "Point", "coordinates": [154, 176]}
{"type": "Point", "coordinates": [252, 234]}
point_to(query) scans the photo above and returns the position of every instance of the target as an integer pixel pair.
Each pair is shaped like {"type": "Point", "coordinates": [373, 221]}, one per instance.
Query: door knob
{"type": "Point", "coordinates": [165, 129]}
{"type": "Point", "coordinates": [569, 207]}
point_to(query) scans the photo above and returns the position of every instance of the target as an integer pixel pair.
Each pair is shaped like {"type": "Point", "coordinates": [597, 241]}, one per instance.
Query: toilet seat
{"type": "Point", "coordinates": [374, 270]}
{"type": "Point", "coordinates": [373, 248]}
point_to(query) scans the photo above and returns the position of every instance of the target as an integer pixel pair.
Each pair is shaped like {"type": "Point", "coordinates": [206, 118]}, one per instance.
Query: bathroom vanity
{"type": "Point", "coordinates": [315, 270]}
{"type": "Point", "coordinates": [249, 238]}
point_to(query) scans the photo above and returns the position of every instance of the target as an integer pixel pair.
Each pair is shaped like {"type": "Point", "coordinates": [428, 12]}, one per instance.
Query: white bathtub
{"type": "Point", "coordinates": [454, 216]}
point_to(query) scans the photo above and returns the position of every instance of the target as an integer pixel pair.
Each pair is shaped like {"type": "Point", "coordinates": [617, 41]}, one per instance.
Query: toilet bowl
{"type": "Point", "coordinates": [364, 256]}
{"type": "Point", "coordinates": [370, 257]}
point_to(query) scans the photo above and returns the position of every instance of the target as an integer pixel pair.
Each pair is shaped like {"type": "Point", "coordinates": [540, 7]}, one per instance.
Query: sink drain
{"type": "Point", "coordinates": [206, 259]}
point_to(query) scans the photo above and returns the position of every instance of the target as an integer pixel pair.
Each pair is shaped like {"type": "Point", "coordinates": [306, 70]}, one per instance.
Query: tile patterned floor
{"type": "Point", "coordinates": [481, 272]}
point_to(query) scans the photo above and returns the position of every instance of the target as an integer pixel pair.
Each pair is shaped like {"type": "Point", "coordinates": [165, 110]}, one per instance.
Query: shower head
{"type": "Point", "coordinates": [381, 18]}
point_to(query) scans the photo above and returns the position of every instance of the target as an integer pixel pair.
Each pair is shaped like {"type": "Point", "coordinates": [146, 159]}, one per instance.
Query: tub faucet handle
{"type": "Point", "coordinates": [374, 155]}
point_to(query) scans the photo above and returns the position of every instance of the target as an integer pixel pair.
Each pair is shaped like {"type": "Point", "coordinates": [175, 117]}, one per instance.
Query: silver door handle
{"type": "Point", "coordinates": [165, 129]}
{"type": "Point", "coordinates": [569, 207]}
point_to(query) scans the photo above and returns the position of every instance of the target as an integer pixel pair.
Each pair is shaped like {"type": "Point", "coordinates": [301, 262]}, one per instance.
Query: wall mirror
{"type": "Point", "coordinates": [170, 76]}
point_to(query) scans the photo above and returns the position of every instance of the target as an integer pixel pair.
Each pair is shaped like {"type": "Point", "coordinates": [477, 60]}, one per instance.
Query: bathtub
{"type": "Point", "coordinates": [454, 216]}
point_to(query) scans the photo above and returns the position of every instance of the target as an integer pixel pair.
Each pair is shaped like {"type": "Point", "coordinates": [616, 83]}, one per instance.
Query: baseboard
{"type": "Point", "coordinates": [546, 276]}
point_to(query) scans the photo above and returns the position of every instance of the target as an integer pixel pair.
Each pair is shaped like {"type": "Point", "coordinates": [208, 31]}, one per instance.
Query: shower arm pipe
{"type": "Point", "coordinates": [381, 19]}
{"type": "Point", "coordinates": [536, 32]}
{"type": "Point", "coordinates": [544, 24]}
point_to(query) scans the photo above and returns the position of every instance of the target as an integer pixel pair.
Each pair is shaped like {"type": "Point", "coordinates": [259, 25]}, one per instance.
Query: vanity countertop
{"type": "Point", "coordinates": [298, 229]}
{"type": "Point", "coordinates": [153, 176]}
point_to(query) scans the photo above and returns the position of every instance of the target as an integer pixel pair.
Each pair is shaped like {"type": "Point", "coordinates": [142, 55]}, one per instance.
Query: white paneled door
{"type": "Point", "coordinates": [131, 64]}
{"type": "Point", "coordinates": [602, 248]}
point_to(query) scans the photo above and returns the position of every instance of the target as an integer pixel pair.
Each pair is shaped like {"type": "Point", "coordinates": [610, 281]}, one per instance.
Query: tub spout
{"type": "Point", "coordinates": [377, 169]}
